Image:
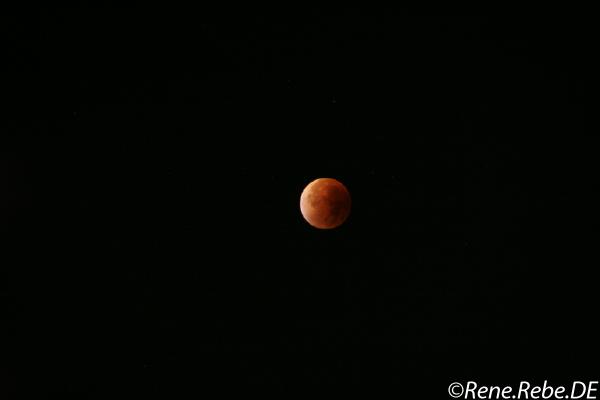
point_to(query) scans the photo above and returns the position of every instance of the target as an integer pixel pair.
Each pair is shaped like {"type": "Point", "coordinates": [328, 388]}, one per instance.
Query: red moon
{"type": "Point", "coordinates": [325, 203]}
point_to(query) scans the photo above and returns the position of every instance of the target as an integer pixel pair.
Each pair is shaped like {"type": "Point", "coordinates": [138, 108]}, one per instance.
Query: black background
{"type": "Point", "coordinates": [151, 198]}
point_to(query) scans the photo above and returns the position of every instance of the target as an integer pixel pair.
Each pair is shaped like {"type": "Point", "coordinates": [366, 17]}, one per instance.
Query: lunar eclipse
{"type": "Point", "coordinates": [325, 203]}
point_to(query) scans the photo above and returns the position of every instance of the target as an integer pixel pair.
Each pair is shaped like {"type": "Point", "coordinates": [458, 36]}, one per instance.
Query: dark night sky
{"type": "Point", "coordinates": [153, 201]}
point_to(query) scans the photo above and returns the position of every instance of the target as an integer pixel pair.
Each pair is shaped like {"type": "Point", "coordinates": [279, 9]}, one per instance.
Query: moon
{"type": "Point", "coordinates": [325, 203]}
